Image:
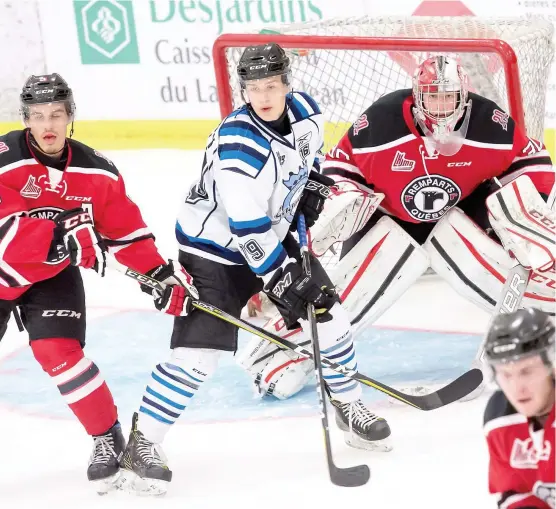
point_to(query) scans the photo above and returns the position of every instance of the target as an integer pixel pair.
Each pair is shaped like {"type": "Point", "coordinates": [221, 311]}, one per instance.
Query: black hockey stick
{"type": "Point", "coordinates": [454, 391]}
{"type": "Point", "coordinates": [357, 475]}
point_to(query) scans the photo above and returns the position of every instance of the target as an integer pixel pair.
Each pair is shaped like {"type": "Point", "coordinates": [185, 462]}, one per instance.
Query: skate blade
{"type": "Point", "coordinates": [355, 441]}
{"type": "Point", "coordinates": [104, 486]}
{"type": "Point", "coordinates": [142, 487]}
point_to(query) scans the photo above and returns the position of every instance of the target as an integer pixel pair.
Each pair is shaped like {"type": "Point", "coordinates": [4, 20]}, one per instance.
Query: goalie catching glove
{"type": "Point", "coordinates": [311, 203]}
{"type": "Point", "coordinates": [177, 298]}
{"type": "Point", "coordinates": [291, 290]}
{"type": "Point", "coordinates": [75, 235]}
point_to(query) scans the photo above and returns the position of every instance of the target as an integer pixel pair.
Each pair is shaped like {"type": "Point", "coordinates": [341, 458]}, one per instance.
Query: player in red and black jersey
{"type": "Point", "coordinates": [519, 419]}
{"type": "Point", "coordinates": [63, 206]}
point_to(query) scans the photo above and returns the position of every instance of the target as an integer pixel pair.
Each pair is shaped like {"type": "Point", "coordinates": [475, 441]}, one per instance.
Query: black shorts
{"type": "Point", "coordinates": [53, 308]}
{"type": "Point", "coordinates": [228, 287]}
{"type": "Point", "coordinates": [473, 205]}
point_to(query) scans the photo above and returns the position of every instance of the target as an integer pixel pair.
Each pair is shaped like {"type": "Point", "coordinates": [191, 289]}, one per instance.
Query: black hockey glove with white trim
{"type": "Point", "coordinates": [291, 290]}
{"type": "Point", "coordinates": [76, 232]}
{"type": "Point", "coordinates": [315, 193]}
{"type": "Point", "coordinates": [177, 298]}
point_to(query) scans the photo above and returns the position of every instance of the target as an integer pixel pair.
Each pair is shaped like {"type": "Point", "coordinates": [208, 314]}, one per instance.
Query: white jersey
{"type": "Point", "coordinates": [241, 208]}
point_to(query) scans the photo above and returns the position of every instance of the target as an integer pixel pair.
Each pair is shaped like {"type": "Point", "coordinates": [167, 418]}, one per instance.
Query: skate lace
{"type": "Point", "coordinates": [150, 453]}
{"type": "Point", "coordinates": [360, 415]}
{"type": "Point", "coordinates": [103, 449]}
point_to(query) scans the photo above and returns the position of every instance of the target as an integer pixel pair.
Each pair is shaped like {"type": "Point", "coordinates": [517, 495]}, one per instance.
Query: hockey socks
{"type": "Point", "coordinates": [171, 388]}
{"type": "Point", "coordinates": [79, 382]}
{"type": "Point", "coordinates": [336, 344]}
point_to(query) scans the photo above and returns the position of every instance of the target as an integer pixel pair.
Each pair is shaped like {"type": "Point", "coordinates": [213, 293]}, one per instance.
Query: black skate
{"type": "Point", "coordinates": [144, 464]}
{"type": "Point", "coordinates": [362, 429]}
{"type": "Point", "coordinates": [104, 463]}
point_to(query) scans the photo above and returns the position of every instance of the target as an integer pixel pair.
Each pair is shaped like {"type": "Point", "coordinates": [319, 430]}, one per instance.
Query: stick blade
{"type": "Point", "coordinates": [454, 391]}
{"type": "Point", "coordinates": [350, 477]}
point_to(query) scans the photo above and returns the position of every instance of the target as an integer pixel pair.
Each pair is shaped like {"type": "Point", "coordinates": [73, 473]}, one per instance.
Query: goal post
{"type": "Point", "coordinates": [348, 63]}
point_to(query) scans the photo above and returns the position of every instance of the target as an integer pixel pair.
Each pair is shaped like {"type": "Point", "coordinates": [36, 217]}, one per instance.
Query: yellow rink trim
{"type": "Point", "coordinates": [177, 134]}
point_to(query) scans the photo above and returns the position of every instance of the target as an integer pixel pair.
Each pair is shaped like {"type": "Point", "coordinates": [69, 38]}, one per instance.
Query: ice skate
{"type": "Point", "coordinates": [144, 465]}
{"type": "Point", "coordinates": [362, 429]}
{"type": "Point", "coordinates": [104, 463]}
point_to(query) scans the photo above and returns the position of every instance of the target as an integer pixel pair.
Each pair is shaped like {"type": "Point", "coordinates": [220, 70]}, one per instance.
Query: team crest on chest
{"type": "Point", "coordinates": [429, 197]}
{"type": "Point", "coordinates": [295, 184]}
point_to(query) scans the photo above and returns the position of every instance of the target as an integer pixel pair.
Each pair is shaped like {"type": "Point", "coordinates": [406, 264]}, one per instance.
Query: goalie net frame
{"type": "Point", "coordinates": [356, 43]}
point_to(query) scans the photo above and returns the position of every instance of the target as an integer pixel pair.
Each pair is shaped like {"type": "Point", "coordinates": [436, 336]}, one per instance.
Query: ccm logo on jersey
{"type": "Point", "coordinates": [61, 312]}
{"type": "Point", "coordinates": [458, 164]}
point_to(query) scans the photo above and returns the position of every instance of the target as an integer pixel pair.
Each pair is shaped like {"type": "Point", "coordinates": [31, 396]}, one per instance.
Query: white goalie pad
{"type": "Point", "coordinates": [345, 212]}
{"type": "Point", "coordinates": [377, 271]}
{"type": "Point", "coordinates": [525, 224]}
{"type": "Point", "coordinates": [276, 372]}
{"type": "Point", "coordinates": [476, 266]}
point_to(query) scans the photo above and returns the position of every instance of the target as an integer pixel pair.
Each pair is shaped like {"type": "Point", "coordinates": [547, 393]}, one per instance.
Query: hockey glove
{"type": "Point", "coordinates": [76, 232]}
{"type": "Point", "coordinates": [315, 193]}
{"type": "Point", "coordinates": [291, 290]}
{"type": "Point", "coordinates": [178, 296]}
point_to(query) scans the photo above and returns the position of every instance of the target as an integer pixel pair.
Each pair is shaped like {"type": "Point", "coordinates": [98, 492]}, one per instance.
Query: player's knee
{"type": "Point", "coordinates": [202, 361]}
{"type": "Point", "coordinates": [57, 355]}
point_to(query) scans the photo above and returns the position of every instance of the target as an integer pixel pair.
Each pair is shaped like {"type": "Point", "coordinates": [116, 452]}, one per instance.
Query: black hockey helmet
{"type": "Point", "coordinates": [263, 61]}
{"type": "Point", "coordinates": [523, 333]}
{"type": "Point", "coordinates": [46, 88]}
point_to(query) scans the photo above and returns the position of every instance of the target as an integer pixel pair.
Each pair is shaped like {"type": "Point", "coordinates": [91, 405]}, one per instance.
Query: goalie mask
{"type": "Point", "coordinates": [440, 98]}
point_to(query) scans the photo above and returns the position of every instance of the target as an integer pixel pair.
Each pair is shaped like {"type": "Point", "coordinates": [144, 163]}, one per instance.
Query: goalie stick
{"type": "Point", "coordinates": [450, 393]}
{"type": "Point", "coordinates": [357, 475]}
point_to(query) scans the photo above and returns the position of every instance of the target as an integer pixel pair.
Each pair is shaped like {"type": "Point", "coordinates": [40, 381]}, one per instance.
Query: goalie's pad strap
{"type": "Point", "coordinates": [377, 271]}
{"type": "Point", "coordinates": [476, 266]}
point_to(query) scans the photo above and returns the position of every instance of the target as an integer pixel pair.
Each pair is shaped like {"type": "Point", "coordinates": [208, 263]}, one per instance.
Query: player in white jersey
{"type": "Point", "coordinates": [260, 170]}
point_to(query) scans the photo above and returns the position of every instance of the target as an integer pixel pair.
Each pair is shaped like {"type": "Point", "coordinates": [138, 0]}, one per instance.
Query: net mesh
{"type": "Point", "coordinates": [346, 82]}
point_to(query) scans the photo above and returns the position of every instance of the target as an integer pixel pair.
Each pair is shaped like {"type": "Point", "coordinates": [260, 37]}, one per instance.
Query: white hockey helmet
{"type": "Point", "coordinates": [440, 97]}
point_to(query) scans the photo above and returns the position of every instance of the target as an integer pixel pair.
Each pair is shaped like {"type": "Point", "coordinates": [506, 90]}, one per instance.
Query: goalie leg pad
{"type": "Point", "coordinates": [525, 223]}
{"type": "Point", "coordinates": [476, 266]}
{"type": "Point", "coordinates": [276, 372]}
{"type": "Point", "coordinates": [377, 271]}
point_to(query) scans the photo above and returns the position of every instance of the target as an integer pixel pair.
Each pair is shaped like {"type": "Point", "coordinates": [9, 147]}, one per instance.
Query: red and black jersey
{"type": "Point", "coordinates": [384, 150]}
{"type": "Point", "coordinates": [521, 456]}
{"type": "Point", "coordinates": [32, 194]}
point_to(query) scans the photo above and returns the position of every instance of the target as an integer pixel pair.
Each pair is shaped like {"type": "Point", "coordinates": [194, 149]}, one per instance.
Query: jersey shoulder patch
{"type": "Point", "coordinates": [382, 122]}
{"type": "Point", "coordinates": [83, 156]}
{"type": "Point", "coordinates": [489, 123]}
{"type": "Point", "coordinates": [242, 146]}
{"type": "Point", "coordinates": [302, 105]}
{"type": "Point", "coordinates": [13, 148]}
{"type": "Point", "coordinates": [498, 406]}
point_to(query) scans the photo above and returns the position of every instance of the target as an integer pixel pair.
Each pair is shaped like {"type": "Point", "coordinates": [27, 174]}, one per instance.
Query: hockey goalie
{"type": "Point", "coordinates": [430, 177]}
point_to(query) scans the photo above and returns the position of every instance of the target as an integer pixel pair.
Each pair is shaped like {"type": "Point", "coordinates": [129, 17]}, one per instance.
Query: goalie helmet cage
{"type": "Point", "coordinates": [346, 64]}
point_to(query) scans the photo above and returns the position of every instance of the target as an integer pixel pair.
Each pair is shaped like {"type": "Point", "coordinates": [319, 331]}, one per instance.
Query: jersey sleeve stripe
{"type": "Point", "coordinates": [242, 228]}
{"type": "Point", "coordinates": [342, 165]}
{"type": "Point", "coordinates": [209, 246]}
{"type": "Point", "coordinates": [244, 130]}
{"type": "Point", "coordinates": [228, 139]}
{"type": "Point", "coordinates": [273, 261]}
{"type": "Point", "coordinates": [243, 153]}
{"type": "Point", "coordinates": [337, 172]}
{"type": "Point", "coordinates": [92, 171]}
{"type": "Point", "coordinates": [519, 163]}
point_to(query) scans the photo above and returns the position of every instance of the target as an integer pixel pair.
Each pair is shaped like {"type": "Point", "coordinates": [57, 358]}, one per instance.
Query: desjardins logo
{"type": "Point", "coordinates": [106, 31]}
{"type": "Point", "coordinates": [227, 12]}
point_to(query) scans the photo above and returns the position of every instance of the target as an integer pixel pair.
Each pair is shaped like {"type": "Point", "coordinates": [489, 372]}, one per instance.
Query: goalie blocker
{"type": "Point", "coordinates": [385, 260]}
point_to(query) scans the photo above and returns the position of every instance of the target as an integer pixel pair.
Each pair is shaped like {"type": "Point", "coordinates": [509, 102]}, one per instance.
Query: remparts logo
{"type": "Point", "coordinates": [429, 197]}
{"type": "Point", "coordinates": [106, 31]}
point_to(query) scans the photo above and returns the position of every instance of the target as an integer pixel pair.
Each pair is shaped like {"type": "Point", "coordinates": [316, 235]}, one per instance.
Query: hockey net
{"type": "Point", "coordinates": [346, 64]}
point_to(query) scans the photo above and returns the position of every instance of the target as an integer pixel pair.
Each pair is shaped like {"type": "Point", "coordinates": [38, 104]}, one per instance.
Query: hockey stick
{"type": "Point", "coordinates": [357, 475]}
{"type": "Point", "coordinates": [457, 389]}
{"type": "Point", "coordinates": [509, 300]}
